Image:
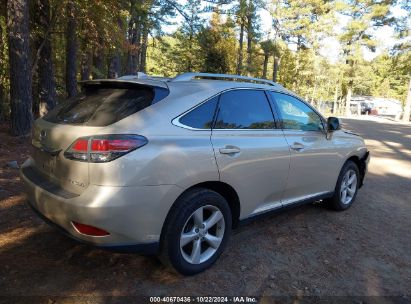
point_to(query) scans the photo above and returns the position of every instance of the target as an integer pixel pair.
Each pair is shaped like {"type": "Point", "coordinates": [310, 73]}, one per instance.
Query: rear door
{"type": "Point", "coordinates": [252, 155]}
{"type": "Point", "coordinates": [99, 105]}
{"type": "Point", "coordinates": [314, 159]}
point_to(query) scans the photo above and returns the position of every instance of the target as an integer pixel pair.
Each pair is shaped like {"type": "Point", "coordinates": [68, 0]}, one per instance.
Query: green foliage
{"type": "Point", "coordinates": [131, 32]}
{"type": "Point", "coordinates": [187, 51]}
{"type": "Point", "coordinates": [160, 57]}
{"type": "Point", "coordinates": [217, 44]}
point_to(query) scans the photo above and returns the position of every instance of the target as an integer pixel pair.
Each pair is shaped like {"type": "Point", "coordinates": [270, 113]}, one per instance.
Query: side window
{"type": "Point", "coordinates": [202, 116]}
{"type": "Point", "coordinates": [244, 109]}
{"type": "Point", "coordinates": [297, 115]}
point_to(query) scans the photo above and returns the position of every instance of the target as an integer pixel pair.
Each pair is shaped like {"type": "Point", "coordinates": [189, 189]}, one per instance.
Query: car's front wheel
{"type": "Point", "coordinates": [346, 188]}
{"type": "Point", "coordinates": [196, 231]}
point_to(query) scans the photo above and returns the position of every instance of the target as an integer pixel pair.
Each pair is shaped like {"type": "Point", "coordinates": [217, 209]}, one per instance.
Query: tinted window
{"type": "Point", "coordinates": [297, 115]}
{"type": "Point", "coordinates": [103, 104]}
{"type": "Point", "coordinates": [202, 116]}
{"type": "Point", "coordinates": [244, 109]}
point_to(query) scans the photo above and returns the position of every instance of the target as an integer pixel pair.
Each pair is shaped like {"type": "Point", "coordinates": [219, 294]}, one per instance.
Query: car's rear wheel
{"type": "Point", "coordinates": [196, 231]}
{"type": "Point", "coordinates": [346, 188]}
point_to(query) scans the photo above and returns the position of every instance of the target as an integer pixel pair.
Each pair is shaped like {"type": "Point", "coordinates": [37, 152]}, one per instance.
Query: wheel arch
{"type": "Point", "coordinates": [221, 188]}
{"type": "Point", "coordinates": [361, 164]}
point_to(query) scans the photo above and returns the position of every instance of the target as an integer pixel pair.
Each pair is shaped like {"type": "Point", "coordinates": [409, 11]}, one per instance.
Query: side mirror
{"type": "Point", "coordinates": [333, 124]}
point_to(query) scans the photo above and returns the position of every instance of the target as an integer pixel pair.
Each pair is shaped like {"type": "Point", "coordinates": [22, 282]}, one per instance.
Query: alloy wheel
{"type": "Point", "coordinates": [348, 187]}
{"type": "Point", "coordinates": [202, 234]}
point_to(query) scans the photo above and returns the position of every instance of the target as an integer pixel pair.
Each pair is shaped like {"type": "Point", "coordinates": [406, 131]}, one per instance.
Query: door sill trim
{"type": "Point", "coordinates": [289, 204]}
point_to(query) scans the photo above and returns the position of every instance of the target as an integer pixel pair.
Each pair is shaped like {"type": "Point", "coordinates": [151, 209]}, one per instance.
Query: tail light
{"type": "Point", "coordinates": [103, 148]}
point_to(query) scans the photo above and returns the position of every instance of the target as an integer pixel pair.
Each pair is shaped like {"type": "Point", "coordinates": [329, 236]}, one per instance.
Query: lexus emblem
{"type": "Point", "coordinates": [43, 135]}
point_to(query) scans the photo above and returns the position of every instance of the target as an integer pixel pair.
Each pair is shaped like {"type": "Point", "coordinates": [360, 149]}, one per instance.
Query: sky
{"type": "Point", "coordinates": [331, 48]}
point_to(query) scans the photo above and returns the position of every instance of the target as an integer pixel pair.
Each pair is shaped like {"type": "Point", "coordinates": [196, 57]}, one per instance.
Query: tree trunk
{"type": "Point", "coordinates": [137, 52]}
{"type": "Point", "coordinates": [85, 65]}
{"type": "Point", "coordinates": [240, 50]}
{"type": "Point", "coordinates": [276, 68]}
{"type": "Point", "coordinates": [249, 42]}
{"type": "Point", "coordinates": [129, 46]}
{"type": "Point", "coordinates": [45, 69]}
{"type": "Point", "coordinates": [20, 70]}
{"type": "Point", "coordinates": [98, 61]}
{"type": "Point", "coordinates": [335, 100]}
{"type": "Point", "coordinates": [143, 53]}
{"type": "Point", "coordinates": [132, 40]}
{"type": "Point", "coordinates": [407, 107]}
{"type": "Point", "coordinates": [265, 65]}
{"type": "Point", "coordinates": [2, 80]}
{"type": "Point", "coordinates": [313, 101]}
{"type": "Point", "coordinates": [348, 100]}
{"type": "Point", "coordinates": [71, 50]}
{"type": "Point", "coordinates": [114, 65]}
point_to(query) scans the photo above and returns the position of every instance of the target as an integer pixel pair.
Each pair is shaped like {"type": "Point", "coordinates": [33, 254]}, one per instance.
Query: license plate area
{"type": "Point", "coordinates": [44, 161]}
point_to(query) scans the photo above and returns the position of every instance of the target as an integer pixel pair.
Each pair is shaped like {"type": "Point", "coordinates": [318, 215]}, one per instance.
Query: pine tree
{"type": "Point", "coordinates": [45, 66]}
{"type": "Point", "coordinates": [71, 49]}
{"type": "Point", "coordinates": [217, 45]}
{"type": "Point", "coordinates": [363, 15]}
{"type": "Point", "coordinates": [187, 48]}
{"type": "Point", "coordinates": [20, 69]}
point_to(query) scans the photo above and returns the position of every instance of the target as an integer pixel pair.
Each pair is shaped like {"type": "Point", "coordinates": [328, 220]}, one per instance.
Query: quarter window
{"type": "Point", "coordinates": [244, 109]}
{"type": "Point", "coordinates": [202, 116]}
{"type": "Point", "coordinates": [297, 115]}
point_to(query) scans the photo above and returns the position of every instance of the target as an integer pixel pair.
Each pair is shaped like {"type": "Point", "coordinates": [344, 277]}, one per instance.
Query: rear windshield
{"type": "Point", "coordinates": [104, 104]}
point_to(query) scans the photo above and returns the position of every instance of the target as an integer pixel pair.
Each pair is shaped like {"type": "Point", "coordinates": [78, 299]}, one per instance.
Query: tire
{"type": "Point", "coordinates": [338, 201]}
{"type": "Point", "coordinates": [183, 224]}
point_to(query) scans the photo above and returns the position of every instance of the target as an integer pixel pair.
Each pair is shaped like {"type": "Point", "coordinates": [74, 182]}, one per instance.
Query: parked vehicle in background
{"type": "Point", "coordinates": [366, 108]}
{"type": "Point", "coordinates": [375, 106]}
{"type": "Point", "coordinates": [169, 167]}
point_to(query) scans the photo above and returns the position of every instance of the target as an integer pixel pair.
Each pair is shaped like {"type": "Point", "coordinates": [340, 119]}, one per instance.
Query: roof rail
{"type": "Point", "coordinates": [228, 77]}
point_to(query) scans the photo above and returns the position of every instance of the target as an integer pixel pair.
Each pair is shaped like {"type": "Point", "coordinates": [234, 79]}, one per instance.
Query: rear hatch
{"type": "Point", "coordinates": [100, 104]}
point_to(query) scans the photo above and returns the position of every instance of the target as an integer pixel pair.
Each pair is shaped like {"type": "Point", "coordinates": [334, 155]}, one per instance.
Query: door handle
{"type": "Point", "coordinates": [229, 150]}
{"type": "Point", "coordinates": [297, 146]}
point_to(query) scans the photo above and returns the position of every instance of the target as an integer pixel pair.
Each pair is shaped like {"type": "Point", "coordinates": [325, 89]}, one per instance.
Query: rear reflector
{"type": "Point", "coordinates": [104, 148]}
{"type": "Point", "coordinates": [90, 230]}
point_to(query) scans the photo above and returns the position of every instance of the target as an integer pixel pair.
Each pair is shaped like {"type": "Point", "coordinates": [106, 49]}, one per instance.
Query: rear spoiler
{"type": "Point", "coordinates": [131, 82]}
{"type": "Point", "coordinates": [160, 88]}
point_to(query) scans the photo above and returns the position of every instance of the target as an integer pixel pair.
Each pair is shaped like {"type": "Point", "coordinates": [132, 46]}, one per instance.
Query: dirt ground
{"type": "Point", "coordinates": [307, 251]}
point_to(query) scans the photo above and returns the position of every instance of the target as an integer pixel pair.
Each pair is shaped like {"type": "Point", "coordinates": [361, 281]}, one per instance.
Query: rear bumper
{"type": "Point", "coordinates": [147, 248]}
{"type": "Point", "coordinates": [133, 216]}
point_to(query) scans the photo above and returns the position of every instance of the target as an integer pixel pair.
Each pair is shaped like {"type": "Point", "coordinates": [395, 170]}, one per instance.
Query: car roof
{"type": "Point", "coordinates": [196, 82]}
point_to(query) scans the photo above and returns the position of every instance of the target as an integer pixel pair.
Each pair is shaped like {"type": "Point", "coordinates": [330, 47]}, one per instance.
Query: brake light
{"type": "Point", "coordinates": [81, 145]}
{"type": "Point", "coordinates": [103, 148]}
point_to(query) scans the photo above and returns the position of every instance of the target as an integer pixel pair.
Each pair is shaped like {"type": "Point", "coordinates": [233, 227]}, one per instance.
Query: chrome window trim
{"type": "Point", "coordinates": [176, 121]}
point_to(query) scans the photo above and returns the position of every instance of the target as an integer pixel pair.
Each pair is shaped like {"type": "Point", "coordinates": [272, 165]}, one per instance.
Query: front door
{"type": "Point", "coordinates": [314, 164]}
